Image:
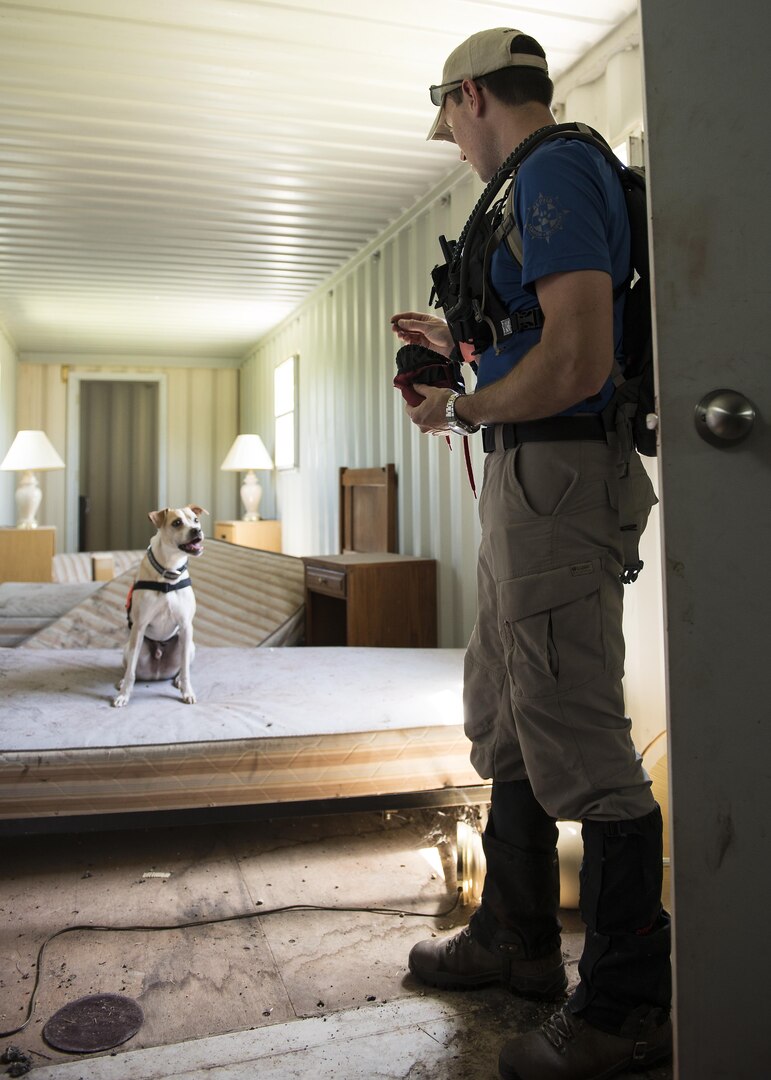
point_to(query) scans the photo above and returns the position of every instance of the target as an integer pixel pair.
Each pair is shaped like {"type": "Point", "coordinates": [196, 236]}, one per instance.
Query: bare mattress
{"type": "Point", "coordinates": [270, 725]}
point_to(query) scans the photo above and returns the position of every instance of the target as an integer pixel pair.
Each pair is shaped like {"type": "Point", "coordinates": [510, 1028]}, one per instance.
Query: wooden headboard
{"type": "Point", "coordinates": [368, 509]}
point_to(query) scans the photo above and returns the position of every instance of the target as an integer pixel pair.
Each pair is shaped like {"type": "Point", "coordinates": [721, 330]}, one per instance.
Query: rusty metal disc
{"type": "Point", "coordinates": [95, 1022]}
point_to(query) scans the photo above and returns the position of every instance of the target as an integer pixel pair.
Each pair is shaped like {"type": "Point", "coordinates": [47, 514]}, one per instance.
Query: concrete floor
{"type": "Point", "coordinates": [318, 994]}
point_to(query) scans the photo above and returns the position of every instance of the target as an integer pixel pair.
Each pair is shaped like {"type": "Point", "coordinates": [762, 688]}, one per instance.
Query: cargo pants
{"type": "Point", "coordinates": [543, 697]}
{"type": "Point", "coordinates": [544, 710]}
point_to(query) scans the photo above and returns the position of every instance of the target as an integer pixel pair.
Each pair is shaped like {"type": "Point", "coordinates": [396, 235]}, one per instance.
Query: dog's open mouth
{"type": "Point", "coordinates": [193, 547]}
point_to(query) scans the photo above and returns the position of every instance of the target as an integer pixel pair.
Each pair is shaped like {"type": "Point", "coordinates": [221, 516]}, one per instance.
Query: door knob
{"type": "Point", "coordinates": [724, 417]}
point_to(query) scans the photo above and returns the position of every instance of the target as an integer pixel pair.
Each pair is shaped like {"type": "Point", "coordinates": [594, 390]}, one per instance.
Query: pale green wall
{"type": "Point", "coordinates": [201, 424]}
{"type": "Point", "coordinates": [8, 365]}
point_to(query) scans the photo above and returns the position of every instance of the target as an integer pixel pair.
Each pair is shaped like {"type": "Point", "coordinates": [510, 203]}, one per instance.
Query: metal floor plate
{"type": "Point", "coordinates": [92, 1023]}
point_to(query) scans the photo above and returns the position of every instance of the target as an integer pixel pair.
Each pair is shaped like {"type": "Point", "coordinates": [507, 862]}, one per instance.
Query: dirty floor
{"type": "Point", "coordinates": [301, 993]}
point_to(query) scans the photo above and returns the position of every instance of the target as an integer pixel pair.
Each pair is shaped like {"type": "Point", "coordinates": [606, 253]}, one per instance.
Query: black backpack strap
{"type": "Point", "coordinates": [508, 231]}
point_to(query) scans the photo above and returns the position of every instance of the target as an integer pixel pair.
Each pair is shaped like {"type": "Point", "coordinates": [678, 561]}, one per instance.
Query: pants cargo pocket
{"type": "Point", "coordinates": [552, 626]}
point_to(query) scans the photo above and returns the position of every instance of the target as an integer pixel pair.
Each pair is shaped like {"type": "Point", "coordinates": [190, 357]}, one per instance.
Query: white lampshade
{"type": "Point", "coordinates": [247, 452]}
{"type": "Point", "coordinates": [245, 455]}
{"type": "Point", "coordinates": [30, 452]}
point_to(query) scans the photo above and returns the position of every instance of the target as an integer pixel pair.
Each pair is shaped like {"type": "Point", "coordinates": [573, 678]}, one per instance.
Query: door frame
{"type": "Point", "coordinates": [73, 438]}
{"type": "Point", "coordinates": [707, 172]}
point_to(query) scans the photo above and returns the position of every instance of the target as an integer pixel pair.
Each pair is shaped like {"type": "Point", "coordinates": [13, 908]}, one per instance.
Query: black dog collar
{"type": "Point", "coordinates": [170, 574]}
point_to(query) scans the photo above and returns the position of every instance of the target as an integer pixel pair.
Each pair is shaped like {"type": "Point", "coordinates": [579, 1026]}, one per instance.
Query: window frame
{"type": "Point", "coordinates": [280, 439]}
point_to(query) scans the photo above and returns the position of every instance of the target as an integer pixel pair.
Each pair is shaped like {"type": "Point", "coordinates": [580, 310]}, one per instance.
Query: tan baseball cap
{"type": "Point", "coordinates": [489, 50]}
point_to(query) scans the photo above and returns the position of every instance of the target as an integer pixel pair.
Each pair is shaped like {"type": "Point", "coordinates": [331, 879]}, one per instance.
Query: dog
{"type": "Point", "coordinates": [161, 605]}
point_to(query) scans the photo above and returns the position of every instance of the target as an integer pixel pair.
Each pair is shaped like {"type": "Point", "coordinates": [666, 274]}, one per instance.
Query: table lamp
{"type": "Point", "coordinates": [245, 455]}
{"type": "Point", "coordinates": [30, 452]}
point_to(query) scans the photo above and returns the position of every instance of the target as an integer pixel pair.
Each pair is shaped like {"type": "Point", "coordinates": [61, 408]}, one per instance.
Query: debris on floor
{"type": "Point", "coordinates": [19, 1063]}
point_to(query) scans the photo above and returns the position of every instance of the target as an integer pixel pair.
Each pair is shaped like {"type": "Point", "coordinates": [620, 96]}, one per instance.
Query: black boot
{"type": "Point", "coordinates": [617, 1019]}
{"type": "Point", "coordinates": [459, 962]}
{"type": "Point", "coordinates": [520, 898]}
{"type": "Point", "coordinates": [625, 963]}
{"type": "Point", "coordinates": [567, 1048]}
{"type": "Point", "coordinates": [514, 936]}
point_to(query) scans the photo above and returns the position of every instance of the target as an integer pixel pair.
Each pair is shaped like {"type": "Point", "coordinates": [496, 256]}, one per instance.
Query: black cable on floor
{"type": "Point", "coordinates": [212, 922]}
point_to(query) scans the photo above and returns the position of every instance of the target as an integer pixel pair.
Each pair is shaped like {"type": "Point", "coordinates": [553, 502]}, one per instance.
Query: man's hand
{"type": "Point", "coordinates": [415, 328]}
{"type": "Point", "coordinates": [429, 416]}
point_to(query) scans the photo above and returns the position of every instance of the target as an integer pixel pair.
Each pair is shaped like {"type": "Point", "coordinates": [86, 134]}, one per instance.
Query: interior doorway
{"type": "Point", "coordinates": [118, 480]}
{"type": "Point", "coordinates": [116, 441]}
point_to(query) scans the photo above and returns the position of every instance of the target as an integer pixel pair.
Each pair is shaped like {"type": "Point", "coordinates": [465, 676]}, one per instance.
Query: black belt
{"type": "Point", "coordinates": [558, 429]}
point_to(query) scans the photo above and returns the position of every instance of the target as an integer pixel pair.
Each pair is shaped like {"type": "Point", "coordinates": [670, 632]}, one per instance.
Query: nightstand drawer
{"type": "Point", "coordinates": [263, 534]}
{"type": "Point", "coordinates": [325, 580]}
{"type": "Point", "coordinates": [224, 531]}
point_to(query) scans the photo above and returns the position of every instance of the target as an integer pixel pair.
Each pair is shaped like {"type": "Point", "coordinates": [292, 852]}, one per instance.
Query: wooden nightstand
{"type": "Point", "coordinates": [265, 535]}
{"type": "Point", "coordinates": [372, 599]}
{"type": "Point", "coordinates": [27, 554]}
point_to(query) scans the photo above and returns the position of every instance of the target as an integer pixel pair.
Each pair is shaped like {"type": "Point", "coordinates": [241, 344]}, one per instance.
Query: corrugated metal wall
{"type": "Point", "coordinates": [8, 368]}
{"type": "Point", "coordinates": [42, 403]}
{"type": "Point", "coordinates": [202, 424]}
{"type": "Point", "coordinates": [350, 414]}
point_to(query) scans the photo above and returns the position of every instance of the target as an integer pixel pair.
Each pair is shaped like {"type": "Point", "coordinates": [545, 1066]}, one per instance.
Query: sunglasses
{"type": "Point", "coordinates": [438, 92]}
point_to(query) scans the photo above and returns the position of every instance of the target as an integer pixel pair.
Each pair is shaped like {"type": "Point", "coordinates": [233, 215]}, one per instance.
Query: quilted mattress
{"type": "Point", "coordinates": [270, 725]}
{"type": "Point", "coordinates": [243, 597]}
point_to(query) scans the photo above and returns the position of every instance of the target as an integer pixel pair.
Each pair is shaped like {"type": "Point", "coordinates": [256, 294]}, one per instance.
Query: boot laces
{"type": "Point", "coordinates": [458, 940]}
{"type": "Point", "coordinates": [559, 1030]}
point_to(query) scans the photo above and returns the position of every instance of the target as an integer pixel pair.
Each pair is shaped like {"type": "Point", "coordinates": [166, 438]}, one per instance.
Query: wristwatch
{"type": "Point", "coordinates": [454, 423]}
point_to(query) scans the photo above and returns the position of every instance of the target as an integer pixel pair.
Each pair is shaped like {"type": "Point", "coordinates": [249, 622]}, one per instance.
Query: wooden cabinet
{"type": "Point", "coordinates": [370, 599]}
{"type": "Point", "coordinates": [265, 535]}
{"type": "Point", "coordinates": [27, 554]}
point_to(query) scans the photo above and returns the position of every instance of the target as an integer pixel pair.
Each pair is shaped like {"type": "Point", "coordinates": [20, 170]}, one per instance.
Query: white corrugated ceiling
{"type": "Point", "coordinates": [177, 175]}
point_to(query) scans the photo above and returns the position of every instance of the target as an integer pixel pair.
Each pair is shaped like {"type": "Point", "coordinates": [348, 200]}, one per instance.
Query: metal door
{"type": "Point", "coordinates": [118, 463]}
{"type": "Point", "coordinates": [709, 161]}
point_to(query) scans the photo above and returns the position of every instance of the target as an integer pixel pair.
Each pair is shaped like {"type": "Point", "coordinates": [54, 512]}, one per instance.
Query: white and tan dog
{"type": "Point", "coordinates": [161, 605]}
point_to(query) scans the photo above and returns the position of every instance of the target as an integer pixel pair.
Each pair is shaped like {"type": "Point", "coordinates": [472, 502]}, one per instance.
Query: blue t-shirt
{"type": "Point", "coordinates": [570, 210]}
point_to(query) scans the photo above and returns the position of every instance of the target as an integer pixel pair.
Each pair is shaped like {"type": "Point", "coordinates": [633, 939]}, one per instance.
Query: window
{"type": "Point", "coordinates": [285, 413]}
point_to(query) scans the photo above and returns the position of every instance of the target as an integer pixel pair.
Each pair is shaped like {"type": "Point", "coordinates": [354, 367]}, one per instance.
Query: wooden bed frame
{"type": "Point", "coordinates": [270, 725]}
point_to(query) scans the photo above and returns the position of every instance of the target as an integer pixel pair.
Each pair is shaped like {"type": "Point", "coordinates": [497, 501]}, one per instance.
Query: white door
{"type": "Point", "coordinates": [709, 167]}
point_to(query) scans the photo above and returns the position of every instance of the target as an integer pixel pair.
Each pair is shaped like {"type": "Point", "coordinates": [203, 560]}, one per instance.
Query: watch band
{"type": "Point", "coordinates": [454, 422]}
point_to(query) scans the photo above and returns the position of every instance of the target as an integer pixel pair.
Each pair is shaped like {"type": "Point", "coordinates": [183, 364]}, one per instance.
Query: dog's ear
{"type": "Point", "coordinates": [157, 516]}
{"type": "Point", "coordinates": [198, 510]}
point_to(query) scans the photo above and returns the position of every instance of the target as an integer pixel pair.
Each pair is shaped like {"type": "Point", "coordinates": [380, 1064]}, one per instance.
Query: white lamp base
{"type": "Point", "coordinates": [251, 493]}
{"type": "Point", "coordinates": [28, 497]}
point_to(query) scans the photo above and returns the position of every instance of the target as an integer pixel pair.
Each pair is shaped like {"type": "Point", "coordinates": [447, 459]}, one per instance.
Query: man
{"type": "Point", "coordinates": [543, 694]}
